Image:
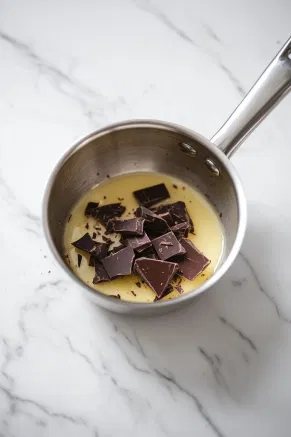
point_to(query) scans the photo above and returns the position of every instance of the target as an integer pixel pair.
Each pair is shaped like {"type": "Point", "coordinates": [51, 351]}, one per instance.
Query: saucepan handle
{"type": "Point", "coordinates": [271, 87]}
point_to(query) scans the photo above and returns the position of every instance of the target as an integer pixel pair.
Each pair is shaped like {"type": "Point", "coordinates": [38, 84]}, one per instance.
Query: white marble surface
{"type": "Point", "coordinates": [220, 368]}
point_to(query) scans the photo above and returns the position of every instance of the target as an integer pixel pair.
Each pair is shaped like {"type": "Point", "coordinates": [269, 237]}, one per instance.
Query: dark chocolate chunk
{"type": "Point", "coordinates": [153, 223]}
{"type": "Point", "coordinates": [92, 261]}
{"type": "Point", "coordinates": [151, 195]}
{"type": "Point", "coordinates": [91, 209]}
{"type": "Point", "coordinates": [168, 290]}
{"type": "Point", "coordinates": [104, 213]}
{"type": "Point", "coordinates": [194, 262]}
{"type": "Point", "coordinates": [85, 243]}
{"type": "Point", "coordinates": [138, 284]}
{"type": "Point", "coordinates": [120, 263]}
{"type": "Point", "coordinates": [181, 230]}
{"type": "Point", "coordinates": [94, 235]}
{"type": "Point", "coordinates": [100, 273]}
{"type": "Point", "coordinates": [149, 252]}
{"type": "Point", "coordinates": [79, 259]}
{"type": "Point", "coordinates": [132, 226]}
{"type": "Point", "coordinates": [98, 250]}
{"type": "Point", "coordinates": [137, 243]}
{"type": "Point", "coordinates": [156, 273]}
{"type": "Point", "coordinates": [115, 249]}
{"type": "Point", "coordinates": [178, 212]}
{"type": "Point", "coordinates": [167, 246]}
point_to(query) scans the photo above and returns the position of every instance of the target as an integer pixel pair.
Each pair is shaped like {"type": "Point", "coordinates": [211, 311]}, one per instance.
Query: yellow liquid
{"type": "Point", "coordinates": [208, 236]}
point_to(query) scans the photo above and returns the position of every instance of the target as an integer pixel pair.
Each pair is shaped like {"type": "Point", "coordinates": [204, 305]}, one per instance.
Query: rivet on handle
{"type": "Point", "coordinates": [189, 150]}
{"type": "Point", "coordinates": [212, 167]}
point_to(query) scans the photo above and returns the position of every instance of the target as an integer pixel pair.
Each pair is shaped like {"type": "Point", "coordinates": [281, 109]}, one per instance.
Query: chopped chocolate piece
{"type": "Point", "coordinates": [133, 293]}
{"type": "Point", "coordinates": [87, 225]}
{"type": "Point", "coordinates": [115, 249]}
{"type": "Point", "coordinates": [104, 213]}
{"type": "Point", "coordinates": [79, 259]}
{"type": "Point", "coordinates": [70, 216]}
{"type": "Point", "coordinates": [181, 230]}
{"type": "Point", "coordinates": [167, 246]}
{"type": "Point", "coordinates": [133, 226]}
{"type": "Point", "coordinates": [100, 273]}
{"type": "Point", "coordinates": [98, 250]}
{"type": "Point", "coordinates": [137, 243]}
{"type": "Point", "coordinates": [138, 284]}
{"type": "Point", "coordinates": [151, 195]}
{"type": "Point", "coordinates": [147, 253]}
{"type": "Point", "coordinates": [153, 223]}
{"type": "Point", "coordinates": [120, 263]}
{"type": "Point", "coordinates": [156, 273]}
{"type": "Point", "coordinates": [178, 212]}
{"type": "Point", "coordinates": [167, 217]}
{"type": "Point", "coordinates": [94, 235]}
{"type": "Point", "coordinates": [85, 243]}
{"type": "Point", "coordinates": [91, 209]}
{"type": "Point", "coordinates": [107, 212]}
{"type": "Point", "coordinates": [92, 261]}
{"type": "Point", "coordinates": [194, 262]}
{"type": "Point", "coordinates": [168, 290]}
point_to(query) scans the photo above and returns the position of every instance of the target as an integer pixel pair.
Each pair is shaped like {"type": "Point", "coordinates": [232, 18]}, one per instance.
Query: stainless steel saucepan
{"type": "Point", "coordinates": [148, 145]}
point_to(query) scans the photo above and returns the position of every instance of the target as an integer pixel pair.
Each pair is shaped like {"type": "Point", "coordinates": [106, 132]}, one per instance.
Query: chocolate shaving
{"type": "Point", "coordinates": [69, 218]}
{"type": "Point", "coordinates": [79, 259]}
{"type": "Point", "coordinates": [133, 293]}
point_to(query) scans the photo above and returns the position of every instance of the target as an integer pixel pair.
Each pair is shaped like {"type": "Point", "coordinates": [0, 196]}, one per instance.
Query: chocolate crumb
{"type": "Point", "coordinates": [120, 199]}
{"type": "Point", "coordinates": [70, 216]}
{"type": "Point", "coordinates": [190, 201]}
{"type": "Point", "coordinates": [107, 240]}
{"type": "Point", "coordinates": [220, 215]}
{"type": "Point", "coordinates": [108, 176]}
{"type": "Point", "coordinates": [138, 284]}
{"type": "Point", "coordinates": [94, 235]}
{"type": "Point", "coordinates": [87, 225]}
{"type": "Point", "coordinates": [203, 274]}
{"type": "Point", "coordinates": [133, 293]}
{"type": "Point", "coordinates": [114, 295]}
{"type": "Point", "coordinates": [183, 188]}
{"type": "Point", "coordinates": [118, 296]}
{"type": "Point", "coordinates": [104, 197]}
{"type": "Point", "coordinates": [175, 186]}
{"type": "Point", "coordinates": [98, 174]}
{"type": "Point", "coordinates": [79, 259]}
{"type": "Point", "coordinates": [97, 228]}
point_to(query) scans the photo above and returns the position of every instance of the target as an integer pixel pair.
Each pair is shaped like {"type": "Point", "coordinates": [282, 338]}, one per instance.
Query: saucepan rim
{"type": "Point", "coordinates": [102, 299]}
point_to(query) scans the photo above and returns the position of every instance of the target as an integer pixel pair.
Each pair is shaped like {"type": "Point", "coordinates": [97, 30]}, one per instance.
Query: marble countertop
{"type": "Point", "coordinates": [219, 368]}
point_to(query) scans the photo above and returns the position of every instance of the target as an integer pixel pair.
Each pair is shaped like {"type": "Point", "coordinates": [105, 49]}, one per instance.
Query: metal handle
{"type": "Point", "coordinates": [271, 87]}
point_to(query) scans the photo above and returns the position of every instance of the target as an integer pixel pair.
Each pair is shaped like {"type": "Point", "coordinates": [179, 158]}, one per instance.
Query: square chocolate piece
{"type": "Point", "coordinates": [132, 226]}
{"type": "Point", "coordinates": [167, 246]}
{"type": "Point", "coordinates": [194, 262]}
{"type": "Point", "coordinates": [120, 263]}
{"type": "Point", "coordinates": [151, 195]}
{"type": "Point", "coordinates": [137, 243]}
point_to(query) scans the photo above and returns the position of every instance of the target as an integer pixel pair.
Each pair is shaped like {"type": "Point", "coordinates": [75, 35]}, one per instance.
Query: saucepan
{"type": "Point", "coordinates": [150, 145]}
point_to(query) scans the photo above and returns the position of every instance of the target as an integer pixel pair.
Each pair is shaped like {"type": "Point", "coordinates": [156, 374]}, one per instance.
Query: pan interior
{"type": "Point", "coordinates": [134, 147]}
